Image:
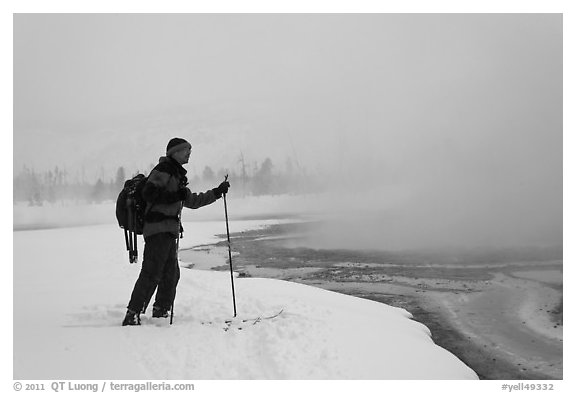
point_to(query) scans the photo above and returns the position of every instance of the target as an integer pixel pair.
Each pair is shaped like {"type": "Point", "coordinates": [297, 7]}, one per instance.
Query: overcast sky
{"type": "Point", "coordinates": [392, 81]}
{"type": "Point", "coordinates": [469, 101]}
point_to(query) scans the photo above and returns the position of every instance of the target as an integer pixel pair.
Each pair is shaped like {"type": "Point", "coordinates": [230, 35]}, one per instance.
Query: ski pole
{"type": "Point", "coordinates": [229, 249]}
{"type": "Point", "coordinates": [177, 252]}
{"type": "Point", "coordinates": [172, 305]}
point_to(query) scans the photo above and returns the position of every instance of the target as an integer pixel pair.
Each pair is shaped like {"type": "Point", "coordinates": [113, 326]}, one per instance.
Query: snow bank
{"type": "Point", "coordinates": [71, 286]}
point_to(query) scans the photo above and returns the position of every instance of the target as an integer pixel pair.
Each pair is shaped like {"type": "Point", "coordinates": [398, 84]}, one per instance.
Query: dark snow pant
{"type": "Point", "coordinates": [159, 270]}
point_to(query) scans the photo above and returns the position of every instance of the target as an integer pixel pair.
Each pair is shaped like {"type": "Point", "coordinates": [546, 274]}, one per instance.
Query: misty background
{"type": "Point", "coordinates": [421, 130]}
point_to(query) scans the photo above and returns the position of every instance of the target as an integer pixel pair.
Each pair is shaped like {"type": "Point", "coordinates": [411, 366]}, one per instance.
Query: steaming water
{"type": "Point", "coordinates": [384, 239]}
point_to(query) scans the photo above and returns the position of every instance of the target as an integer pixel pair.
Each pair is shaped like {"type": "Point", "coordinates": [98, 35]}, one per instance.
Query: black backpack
{"type": "Point", "coordinates": [130, 210]}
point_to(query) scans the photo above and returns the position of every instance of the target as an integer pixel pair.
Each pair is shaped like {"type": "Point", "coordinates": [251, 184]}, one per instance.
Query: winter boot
{"type": "Point", "coordinates": [131, 319]}
{"type": "Point", "coordinates": [159, 312]}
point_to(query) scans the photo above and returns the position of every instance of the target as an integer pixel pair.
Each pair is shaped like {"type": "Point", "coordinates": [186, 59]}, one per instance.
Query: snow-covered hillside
{"type": "Point", "coordinates": [71, 286]}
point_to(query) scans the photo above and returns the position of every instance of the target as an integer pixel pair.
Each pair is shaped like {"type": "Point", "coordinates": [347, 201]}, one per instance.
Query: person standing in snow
{"type": "Point", "coordinates": [166, 193]}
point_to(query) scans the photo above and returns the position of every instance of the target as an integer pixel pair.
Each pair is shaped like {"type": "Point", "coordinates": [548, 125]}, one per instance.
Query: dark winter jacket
{"type": "Point", "coordinates": [165, 192]}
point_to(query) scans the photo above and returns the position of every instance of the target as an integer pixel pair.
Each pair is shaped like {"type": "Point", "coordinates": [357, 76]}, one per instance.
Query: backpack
{"type": "Point", "coordinates": [130, 210]}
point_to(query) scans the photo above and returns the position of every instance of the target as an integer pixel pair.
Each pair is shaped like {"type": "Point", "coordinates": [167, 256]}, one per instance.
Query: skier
{"type": "Point", "coordinates": [166, 193]}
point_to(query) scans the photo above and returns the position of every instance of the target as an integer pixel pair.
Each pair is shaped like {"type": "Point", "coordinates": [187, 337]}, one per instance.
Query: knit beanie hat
{"type": "Point", "coordinates": [175, 145]}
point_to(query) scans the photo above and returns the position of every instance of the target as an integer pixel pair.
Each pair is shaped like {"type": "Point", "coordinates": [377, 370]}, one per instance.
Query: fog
{"type": "Point", "coordinates": [431, 129]}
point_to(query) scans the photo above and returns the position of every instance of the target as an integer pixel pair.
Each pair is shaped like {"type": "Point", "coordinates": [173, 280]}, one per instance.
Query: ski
{"type": "Point", "coordinates": [257, 319]}
{"type": "Point", "coordinates": [239, 324]}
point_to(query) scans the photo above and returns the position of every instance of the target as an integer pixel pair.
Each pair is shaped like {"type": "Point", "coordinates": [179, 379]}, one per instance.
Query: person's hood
{"type": "Point", "coordinates": [172, 162]}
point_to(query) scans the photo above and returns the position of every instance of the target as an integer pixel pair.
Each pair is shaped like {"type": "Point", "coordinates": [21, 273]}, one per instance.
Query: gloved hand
{"type": "Point", "coordinates": [221, 189]}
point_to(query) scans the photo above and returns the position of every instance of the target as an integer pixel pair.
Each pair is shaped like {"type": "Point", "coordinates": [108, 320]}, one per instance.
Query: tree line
{"type": "Point", "coordinates": [37, 188]}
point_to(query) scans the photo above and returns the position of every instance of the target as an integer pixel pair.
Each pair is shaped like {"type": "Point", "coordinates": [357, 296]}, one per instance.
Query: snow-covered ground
{"type": "Point", "coordinates": [72, 284]}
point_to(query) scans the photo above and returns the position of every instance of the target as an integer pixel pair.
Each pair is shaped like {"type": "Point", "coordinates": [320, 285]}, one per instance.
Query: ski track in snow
{"type": "Point", "coordinates": [76, 283]}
